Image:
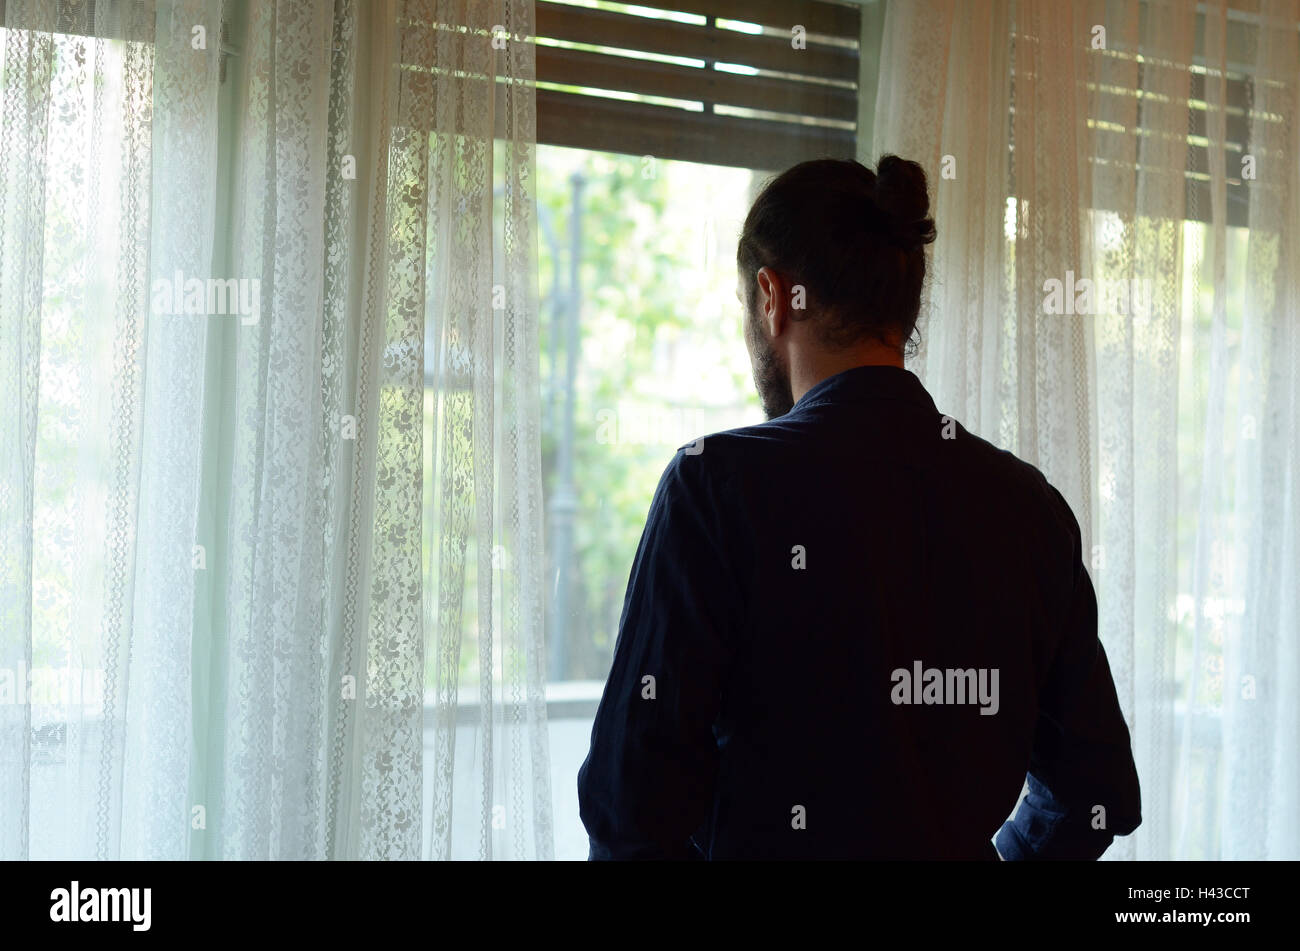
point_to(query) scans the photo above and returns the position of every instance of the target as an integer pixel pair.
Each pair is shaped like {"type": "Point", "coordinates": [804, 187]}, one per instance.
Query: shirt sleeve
{"type": "Point", "coordinates": [1083, 783]}
{"type": "Point", "coordinates": [648, 780]}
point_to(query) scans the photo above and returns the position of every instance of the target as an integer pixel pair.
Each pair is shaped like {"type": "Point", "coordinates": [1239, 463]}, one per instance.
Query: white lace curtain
{"type": "Point", "coordinates": [1154, 150]}
{"type": "Point", "coordinates": [272, 566]}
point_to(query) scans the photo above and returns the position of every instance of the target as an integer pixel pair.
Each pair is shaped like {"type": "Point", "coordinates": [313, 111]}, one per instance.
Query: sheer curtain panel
{"type": "Point", "coordinates": [268, 337]}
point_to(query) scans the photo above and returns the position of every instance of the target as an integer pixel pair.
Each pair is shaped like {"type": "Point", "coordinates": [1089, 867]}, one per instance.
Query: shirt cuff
{"type": "Point", "coordinates": [1011, 846]}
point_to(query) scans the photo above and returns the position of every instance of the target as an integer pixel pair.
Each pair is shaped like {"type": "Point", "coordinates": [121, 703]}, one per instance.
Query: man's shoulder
{"type": "Point", "coordinates": [793, 434]}
{"type": "Point", "coordinates": [754, 453]}
{"type": "Point", "coordinates": [978, 451]}
{"type": "Point", "coordinates": [1025, 482]}
{"type": "Point", "coordinates": [720, 455]}
{"type": "Point", "coordinates": [730, 442]}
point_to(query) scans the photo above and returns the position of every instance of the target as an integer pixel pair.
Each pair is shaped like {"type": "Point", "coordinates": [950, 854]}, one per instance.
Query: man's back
{"type": "Point", "coordinates": [849, 632]}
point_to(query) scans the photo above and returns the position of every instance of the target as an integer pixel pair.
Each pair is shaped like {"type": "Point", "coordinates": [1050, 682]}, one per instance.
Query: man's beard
{"type": "Point", "coordinates": [771, 377]}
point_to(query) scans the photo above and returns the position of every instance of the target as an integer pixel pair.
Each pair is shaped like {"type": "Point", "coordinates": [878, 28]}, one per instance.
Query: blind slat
{"type": "Point", "coordinates": [636, 128]}
{"type": "Point", "coordinates": [644, 77]}
{"type": "Point", "coordinates": [828, 19]}
{"type": "Point", "coordinates": [560, 21]}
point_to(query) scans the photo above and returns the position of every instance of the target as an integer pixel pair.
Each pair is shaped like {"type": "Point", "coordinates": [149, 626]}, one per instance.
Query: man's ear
{"type": "Point", "coordinates": [773, 301]}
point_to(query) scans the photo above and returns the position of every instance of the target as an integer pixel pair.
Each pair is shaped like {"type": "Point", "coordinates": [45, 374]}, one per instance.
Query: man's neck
{"type": "Point", "coordinates": [812, 369]}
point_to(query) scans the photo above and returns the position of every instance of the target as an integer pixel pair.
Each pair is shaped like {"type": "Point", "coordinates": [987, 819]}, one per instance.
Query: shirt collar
{"type": "Point", "coordinates": [868, 383]}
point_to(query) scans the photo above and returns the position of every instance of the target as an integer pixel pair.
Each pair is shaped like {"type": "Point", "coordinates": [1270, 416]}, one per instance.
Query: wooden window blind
{"type": "Point", "coordinates": [717, 81]}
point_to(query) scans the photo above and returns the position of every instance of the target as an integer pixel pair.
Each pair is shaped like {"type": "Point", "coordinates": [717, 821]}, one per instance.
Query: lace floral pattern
{"type": "Point", "coordinates": [270, 560]}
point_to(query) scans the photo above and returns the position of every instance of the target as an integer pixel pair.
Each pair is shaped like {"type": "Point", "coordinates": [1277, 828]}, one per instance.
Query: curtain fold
{"type": "Point", "coordinates": [490, 779]}
{"type": "Point", "coordinates": [107, 176]}
{"type": "Point", "coordinates": [288, 558]}
{"type": "Point", "coordinates": [1101, 306]}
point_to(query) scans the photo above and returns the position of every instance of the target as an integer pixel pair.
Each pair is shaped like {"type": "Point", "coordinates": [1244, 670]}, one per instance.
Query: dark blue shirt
{"type": "Point", "coordinates": [851, 632]}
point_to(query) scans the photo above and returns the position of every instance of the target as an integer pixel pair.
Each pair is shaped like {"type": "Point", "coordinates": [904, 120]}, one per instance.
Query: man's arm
{"type": "Point", "coordinates": [1083, 784]}
{"type": "Point", "coordinates": [647, 783]}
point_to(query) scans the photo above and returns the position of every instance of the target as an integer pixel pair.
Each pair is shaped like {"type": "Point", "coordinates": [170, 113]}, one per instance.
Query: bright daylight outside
{"type": "Point", "coordinates": [650, 334]}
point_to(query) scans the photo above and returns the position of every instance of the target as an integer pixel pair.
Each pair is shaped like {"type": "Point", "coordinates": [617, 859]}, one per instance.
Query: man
{"type": "Point", "coordinates": [852, 631]}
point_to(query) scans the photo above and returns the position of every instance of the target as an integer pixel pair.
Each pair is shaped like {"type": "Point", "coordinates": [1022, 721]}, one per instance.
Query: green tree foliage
{"type": "Point", "coordinates": [649, 267]}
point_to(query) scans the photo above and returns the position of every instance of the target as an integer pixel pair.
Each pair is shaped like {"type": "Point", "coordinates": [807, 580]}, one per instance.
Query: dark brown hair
{"type": "Point", "coordinates": [854, 238]}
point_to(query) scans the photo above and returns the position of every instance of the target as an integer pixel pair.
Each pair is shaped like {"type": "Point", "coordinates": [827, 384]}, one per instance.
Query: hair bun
{"type": "Point", "coordinates": [901, 194]}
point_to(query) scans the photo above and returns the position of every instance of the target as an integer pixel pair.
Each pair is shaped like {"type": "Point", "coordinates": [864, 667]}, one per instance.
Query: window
{"type": "Point", "coordinates": [641, 352]}
{"type": "Point", "coordinates": [655, 129]}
